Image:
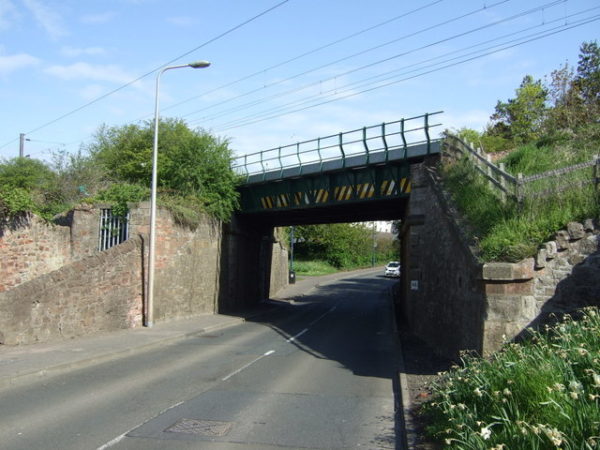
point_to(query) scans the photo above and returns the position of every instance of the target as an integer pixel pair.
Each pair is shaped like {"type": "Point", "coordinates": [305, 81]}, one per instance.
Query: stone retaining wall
{"type": "Point", "coordinates": [564, 277]}
{"type": "Point", "coordinates": [56, 284]}
{"type": "Point", "coordinates": [454, 302]}
{"type": "Point", "coordinates": [30, 248]}
{"type": "Point", "coordinates": [97, 293]}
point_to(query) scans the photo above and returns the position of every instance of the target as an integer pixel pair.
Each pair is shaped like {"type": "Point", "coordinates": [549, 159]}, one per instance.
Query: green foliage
{"type": "Point", "coordinates": [29, 183]}
{"type": "Point", "coordinates": [588, 74]}
{"type": "Point", "coordinates": [524, 115]}
{"type": "Point", "coordinates": [543, 393]}
{"type": "Point", "coordinates": [120, 194]}
{"type": "Point", "coordinates": [342, 245]}
{"type": "Point", "coordinates": [313, 268]}
{"type": "Point", "coordinates": [192, 163]}
{"type": "Point", "coordinates": [469, 135]}
{"type": "Point", "coordinates": [561, 148]}
{"type": "Point", "coordinates": [79, 175]}
{"type": "Point", "coordinates": [26, 173]}
{"type": "Point", "coordinates": [511, 232]}
{"type": "Point", "coordinates": [14, 201]}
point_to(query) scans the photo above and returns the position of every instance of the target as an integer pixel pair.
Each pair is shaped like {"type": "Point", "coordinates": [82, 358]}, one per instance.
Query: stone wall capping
{"type": "Point", "coordinates": [588, 225]}
{"type": "Point", "coordinates": [562, 240]}
{"type": "Point", "coordinates": [501, 271]}
{"type": "Point", "coordinates": [576, 230]}
{"type": "Point", "coordinates": [551, 249]}
{"type": "Point", "coordinates": [541, 258]}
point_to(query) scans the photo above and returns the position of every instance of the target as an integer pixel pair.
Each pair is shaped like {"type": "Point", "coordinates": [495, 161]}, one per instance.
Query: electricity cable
{"type": "Point", "coordinates": [363, 67]}
{"type": "Point", "coordinates": [103, 96]}
{"type": "Point", "coordinates": [302, 55]}
{"type": "Point", "coordinates": [354, 55]}
{"type": "Point", "coordinates": [363, 82]}
{"type": "Point", "coordinates": [595, 18]}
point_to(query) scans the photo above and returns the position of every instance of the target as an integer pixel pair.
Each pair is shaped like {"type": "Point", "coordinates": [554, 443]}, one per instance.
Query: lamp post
{"type": "Point", "coordinates": [152, 243]}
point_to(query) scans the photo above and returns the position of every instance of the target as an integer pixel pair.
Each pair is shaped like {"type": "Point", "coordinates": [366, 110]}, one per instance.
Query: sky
{"type": "Point", "coordinates": [282, 71]}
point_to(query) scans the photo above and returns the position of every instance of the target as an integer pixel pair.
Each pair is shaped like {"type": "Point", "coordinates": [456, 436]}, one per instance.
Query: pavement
{"type": "Point", "coordinates": [28, 363]}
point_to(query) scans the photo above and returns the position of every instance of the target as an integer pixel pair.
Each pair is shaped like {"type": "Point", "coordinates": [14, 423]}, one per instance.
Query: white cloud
{"type": "Point", "coordinates": [7, 14]}
{"type": "Point", "coordinates": [74, 52]}
{"type": "Point", "coordinates": [98, 18]}
{"type": "Point", "coordinates": [11, 63]}
{"type": "Point", "coordinates": [93, 72]}
{"type": "Point", "coordinates": [48, 18]}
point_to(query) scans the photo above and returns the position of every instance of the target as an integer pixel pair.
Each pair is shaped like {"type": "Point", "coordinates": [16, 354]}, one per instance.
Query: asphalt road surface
{"type": "Point", "coordinates": [317, 372]}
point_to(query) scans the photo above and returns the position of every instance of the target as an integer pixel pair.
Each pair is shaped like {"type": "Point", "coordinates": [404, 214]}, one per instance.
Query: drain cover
{"type": "Point", "coordinates": [200, 427]}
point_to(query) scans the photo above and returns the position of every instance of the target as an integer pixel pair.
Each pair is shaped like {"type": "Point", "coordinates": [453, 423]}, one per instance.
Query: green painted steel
{"type": "Point", "coordinates": [323, 189]}
{"type": "Point", "coordinates": [398, 140]}
{"type": "Point", "coordinates": [370, 163]}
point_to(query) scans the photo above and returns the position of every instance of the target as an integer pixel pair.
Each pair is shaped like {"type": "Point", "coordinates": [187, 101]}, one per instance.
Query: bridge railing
{"type": "Point", "coordinates": [522, 187]}
{"type": "Point", "coordinates": [373, 143]}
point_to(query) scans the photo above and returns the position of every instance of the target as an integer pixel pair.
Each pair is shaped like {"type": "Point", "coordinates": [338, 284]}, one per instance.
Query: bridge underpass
{"type": "Point", "coordinates": [355, 176]}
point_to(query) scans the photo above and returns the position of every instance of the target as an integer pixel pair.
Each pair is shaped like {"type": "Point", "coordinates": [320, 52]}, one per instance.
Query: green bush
{"type": "Point", "coordinates": [15, 201]}
{"type": "Point", "coordinates": [191, 163]}
{"type": "Point", "coordinates": [122, 193]}
{"type": "Point", "coordinates": [342, 245]}
{"type": "Point", "coordinates": [29, 184]}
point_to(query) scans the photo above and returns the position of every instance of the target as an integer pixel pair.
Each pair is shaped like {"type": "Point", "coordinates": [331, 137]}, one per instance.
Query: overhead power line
{"type": "Point", "coordinates": [241, 123]}
{"type": "Point", "coordinates": [360, 53]}
{"type": "Point", "coordinates": [302, 55]}
{"type": "Point", "coordinates": [372, 64]}
{"type": "Point", "coordinates": [114, 91]}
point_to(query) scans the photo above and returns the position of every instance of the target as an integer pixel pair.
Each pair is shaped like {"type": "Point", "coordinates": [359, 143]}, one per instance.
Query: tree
{"type": "Point", "coordinates": [567, 110]}
{"type": "Point", "coordinates": [29, 185]}
{"type": "Point", "coordinates": [521, 118]}
{"type": "Point", "coordinates": [340, 244]}
{"type": "Point", "coordinates": [190, 162]}
{"type": "Point", "coordinates": [588, 73]}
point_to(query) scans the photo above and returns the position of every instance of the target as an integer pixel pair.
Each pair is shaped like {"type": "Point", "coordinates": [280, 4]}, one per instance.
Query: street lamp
{"type": "Point", "coordinates": [152, 243]}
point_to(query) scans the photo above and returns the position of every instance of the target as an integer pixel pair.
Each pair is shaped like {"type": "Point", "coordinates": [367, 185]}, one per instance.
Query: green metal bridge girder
{"type": "Point", "coordinates": [348, 186]}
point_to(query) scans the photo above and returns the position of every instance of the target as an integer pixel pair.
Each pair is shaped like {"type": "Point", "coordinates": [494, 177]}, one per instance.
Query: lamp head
{"type": "Point", "coordinates": [199, 64]}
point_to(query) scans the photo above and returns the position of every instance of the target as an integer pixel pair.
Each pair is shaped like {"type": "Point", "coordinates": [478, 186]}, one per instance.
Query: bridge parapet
{"type": "Point", "coordinates": [401, 140]}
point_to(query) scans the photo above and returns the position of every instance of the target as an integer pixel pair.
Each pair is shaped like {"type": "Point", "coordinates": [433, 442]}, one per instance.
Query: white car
{"type": "Point", "coordinates": [392, 269]}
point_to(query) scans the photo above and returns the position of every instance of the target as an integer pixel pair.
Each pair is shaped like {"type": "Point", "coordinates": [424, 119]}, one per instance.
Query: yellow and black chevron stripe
{"type": "Point", "coordinates": [340, 193]}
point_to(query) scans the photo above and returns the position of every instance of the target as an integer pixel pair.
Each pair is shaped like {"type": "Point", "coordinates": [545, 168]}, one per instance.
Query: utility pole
{"type": "Point", "coordinates": [21, 145]}
{"type": "Point", "coordinates": [374, 246]}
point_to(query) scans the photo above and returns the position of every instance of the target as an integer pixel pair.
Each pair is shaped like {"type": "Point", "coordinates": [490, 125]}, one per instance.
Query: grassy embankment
{"type": "Point", "coordinates": [545, 392]}
{"type": "Point", "coordinates": [510, 232]}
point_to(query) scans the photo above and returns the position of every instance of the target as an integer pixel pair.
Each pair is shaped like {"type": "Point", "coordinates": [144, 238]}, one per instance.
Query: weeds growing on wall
{"type": "Point", "coordinates": [543, 393]}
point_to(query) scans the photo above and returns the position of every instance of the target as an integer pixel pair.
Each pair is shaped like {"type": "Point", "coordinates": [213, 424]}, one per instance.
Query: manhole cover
{"type": "Point", "coordinates": [200, 427]}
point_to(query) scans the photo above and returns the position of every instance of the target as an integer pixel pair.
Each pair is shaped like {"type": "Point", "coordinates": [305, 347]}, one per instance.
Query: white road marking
{"type": "Point", "coordinates": [270, 352]}
{"type": "Point", "coordinates": [121, 437]}
{"type": "Point", "coordinates": [298, 335]}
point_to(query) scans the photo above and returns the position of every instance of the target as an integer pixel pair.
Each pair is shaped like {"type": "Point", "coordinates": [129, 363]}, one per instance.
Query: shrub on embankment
{"type": "Point", "coordinates": [542, 393]}
{"type": "Point", "coordinates": [194, 174]}
{"type": "Point", "coordinates": [546, 126]}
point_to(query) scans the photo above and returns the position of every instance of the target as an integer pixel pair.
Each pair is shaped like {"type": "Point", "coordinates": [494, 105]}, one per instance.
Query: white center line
{"type": "Point", "coordinates": [298, 335]}
{"type": "Point", "coordinates": [270, 352]}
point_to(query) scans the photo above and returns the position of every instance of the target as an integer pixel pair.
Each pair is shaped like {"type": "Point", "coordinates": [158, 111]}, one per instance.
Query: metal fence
{"type": "Point", "coordinates": [369, 141]}
{"type": "Point", "coordinates": [521, 187]}
{"type": "Point", "coordinates": [113, 229]}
